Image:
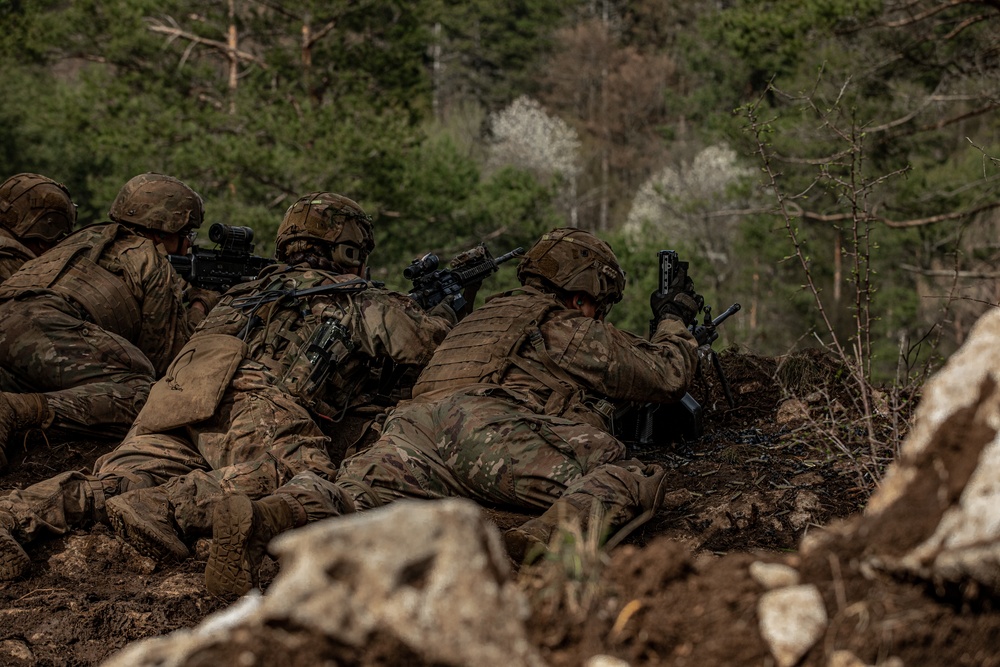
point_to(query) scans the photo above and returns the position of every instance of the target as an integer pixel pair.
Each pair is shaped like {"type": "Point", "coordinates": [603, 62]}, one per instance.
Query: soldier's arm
{"type": "Point", "coordinates": [622, 366]}
{"type": "Point", "coordinates": [166, 323]}
{"type": "Point", "coordinates": [394, 326]}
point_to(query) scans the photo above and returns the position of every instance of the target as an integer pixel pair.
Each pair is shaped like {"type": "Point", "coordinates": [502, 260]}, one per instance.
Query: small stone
{"type": "Point", "coordinates": [792, 410]}
{"type": "Point", "coordinates": [845, 659]}
{"type": "Point", "coordinates": [17, 650]}
{"type": "Point", "coordinates": [791, 621]}
{"type": "Point", "coordinates": [605, 661]}
{"type": "Point", "coordinates": [773, 575]}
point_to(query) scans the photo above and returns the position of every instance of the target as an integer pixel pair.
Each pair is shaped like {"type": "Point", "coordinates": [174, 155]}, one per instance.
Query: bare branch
{"type": "Point", "coordinates": [796, 211]}
{"type": "Point", "coordinates": [942, 273]}
{"type": "Point", "coordinates": [176, 33]}
{"type": "Point", "coordinates": [321, 33]}
{"type": "Point", "coordinates": [926, 14]}
{"type": "Point", "coordinates": [937, 218]}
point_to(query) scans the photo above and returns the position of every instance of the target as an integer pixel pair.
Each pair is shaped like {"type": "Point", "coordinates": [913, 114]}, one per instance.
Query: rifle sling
{"type": "Point", "coordinates": [256, 300]}
{"type": "Point", "coordinates": [558, 380]}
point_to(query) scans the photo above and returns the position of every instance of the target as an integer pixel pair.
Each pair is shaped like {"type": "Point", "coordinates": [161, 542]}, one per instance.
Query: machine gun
{"type": "Point", "coordinates": [218, 269]}
{"type": "Point", "coordinates": [648, 425]}
{"type": "Point", "coordinates": [670, 266]}
{"type": "Point", "coordinates": [432, 285]}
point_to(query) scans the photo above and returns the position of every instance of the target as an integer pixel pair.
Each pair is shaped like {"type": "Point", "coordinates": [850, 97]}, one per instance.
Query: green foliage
{"type": "Point", "coordinates": [491, 46]}
{"type": "Point", "coordinates": [864, 108]}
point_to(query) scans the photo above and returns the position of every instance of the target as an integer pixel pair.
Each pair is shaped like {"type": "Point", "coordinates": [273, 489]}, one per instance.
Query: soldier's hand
{"type": "Point", "coordinates": [202, 300]}
{"type": "Point", "coordinates": [680, 301]}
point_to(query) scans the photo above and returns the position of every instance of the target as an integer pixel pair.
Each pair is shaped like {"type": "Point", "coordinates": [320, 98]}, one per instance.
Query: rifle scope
{"type": "Point", "coordinates": [421, 266]}
{"type": "Point", "coordinates": [231, 236]}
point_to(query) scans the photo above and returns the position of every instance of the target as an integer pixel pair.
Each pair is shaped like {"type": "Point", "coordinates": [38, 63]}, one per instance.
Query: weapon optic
{"type": "Point", "coordinates": [230, 263]}
{"type": "Point", "coordinates": [432, 285]}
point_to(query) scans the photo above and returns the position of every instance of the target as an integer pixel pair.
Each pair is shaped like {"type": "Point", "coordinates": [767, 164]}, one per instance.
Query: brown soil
{"type": "Point", "coordinates": [677, 592]}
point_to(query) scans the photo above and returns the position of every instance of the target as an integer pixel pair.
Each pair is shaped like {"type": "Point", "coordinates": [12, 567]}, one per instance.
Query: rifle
{"type": "Point", "coordinates": [432, 285]}
{"type": "Point", "coordinates": [219, 269]}
{"type": "Point", "coordinates": [670, 266]}
{"type": "Point", "coordinates": [644, 425]}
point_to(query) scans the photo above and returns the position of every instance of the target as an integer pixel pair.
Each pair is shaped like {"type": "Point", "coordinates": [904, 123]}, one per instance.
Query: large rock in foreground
{"type": "Point", "coordinates": [414, 583]}
{"type": "Point", "coordinates": [937, 512]}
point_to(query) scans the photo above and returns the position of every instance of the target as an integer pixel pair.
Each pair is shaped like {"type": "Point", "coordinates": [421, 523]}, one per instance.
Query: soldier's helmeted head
{"type": "Point", "coordinates": [570, 260]}
{"type": "Point", "coordinates": [159, 203]}
{"type": "Point", "coordinates": [36, 209]}
{"type": "Point", "coordinates": [328, 223]}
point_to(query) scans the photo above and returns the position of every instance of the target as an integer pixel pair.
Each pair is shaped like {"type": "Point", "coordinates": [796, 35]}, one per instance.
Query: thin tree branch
{"type": "Point", "coordinates": [942, 273]}
{"type": "Point", "coordinates": [175, 33]}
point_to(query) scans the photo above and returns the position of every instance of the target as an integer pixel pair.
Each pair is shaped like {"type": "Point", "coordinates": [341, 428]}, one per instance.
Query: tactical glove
{"type": "Point", "coordinates": [680, 301]}
{"type": "Point", "coordinates": [206, 297]}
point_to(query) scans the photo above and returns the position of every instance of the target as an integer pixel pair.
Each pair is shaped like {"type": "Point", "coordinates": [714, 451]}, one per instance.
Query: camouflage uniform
{"type": "Point", "coordinates": [90, 324]}
{"type": "Point", "coordinates": [13, 254]}
{"type": "Point", "coordinates": [86, 327]}
{"type": "Point", "coordinates": [261, 438]}
{"type": "Point", "coordinates": [513, 410]}
{"type": "Point", "coordinates": [237, 412]}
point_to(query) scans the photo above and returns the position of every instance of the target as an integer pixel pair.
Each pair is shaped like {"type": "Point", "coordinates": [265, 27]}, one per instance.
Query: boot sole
{"type": "Point", "coordinates": [145, 536]}
{"type": "Point", "coordinates": [228, 572]}
{"type": "Point", "coordinates": [523, 548]}
{"type": "Point", "coordinates": [14, 562]}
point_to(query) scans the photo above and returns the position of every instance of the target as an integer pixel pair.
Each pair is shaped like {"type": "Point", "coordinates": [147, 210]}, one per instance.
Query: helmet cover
{"type": "Point", "coordinates": [33, 206]}
{"type": "Point", "coordinates": [158, 202]}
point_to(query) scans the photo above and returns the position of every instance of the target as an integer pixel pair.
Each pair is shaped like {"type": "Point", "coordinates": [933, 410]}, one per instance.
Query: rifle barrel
{"type": "Point", "coordinates": [729, 312]}
{"type": "Point", "coordinates": [516, 252]}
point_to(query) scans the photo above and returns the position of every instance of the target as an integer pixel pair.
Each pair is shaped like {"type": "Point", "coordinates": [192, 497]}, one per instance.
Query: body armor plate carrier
{"type": "Point", "coordinates": [71, 271]}
{"type": "Point", "coordinates": [481, 346]}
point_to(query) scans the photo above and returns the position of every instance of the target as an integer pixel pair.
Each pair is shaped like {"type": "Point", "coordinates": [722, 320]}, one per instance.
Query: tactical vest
{"type": "Point", "coordinates": [484, 345]}
{"type": "Point", "coordinates": [71, 270]}
{"type": "Point", "coordinates": [307, 350]}
{"type": "Point", "coordinates": [11, 247]}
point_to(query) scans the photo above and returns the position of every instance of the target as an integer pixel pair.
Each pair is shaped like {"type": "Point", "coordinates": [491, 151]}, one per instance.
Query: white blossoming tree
{"type": "Point", "coordinates": [693, 206]}
{"type": "Point", "coordinates": [525, 136]}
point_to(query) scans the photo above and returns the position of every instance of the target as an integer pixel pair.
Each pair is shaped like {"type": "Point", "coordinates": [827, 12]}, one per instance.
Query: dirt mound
{"type": "Point", "coordinates": [677, 592]}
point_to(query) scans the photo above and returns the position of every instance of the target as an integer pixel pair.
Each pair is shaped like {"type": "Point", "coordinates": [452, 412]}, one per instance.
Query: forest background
{"type": "Point", "coordinates": [829, 164]}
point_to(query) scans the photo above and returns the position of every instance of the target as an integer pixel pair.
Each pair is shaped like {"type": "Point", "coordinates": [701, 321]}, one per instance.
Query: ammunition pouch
{"type": "Point", "coordinates": [327, 348]}
{"type": "Point", "coordinates": [193, 385]}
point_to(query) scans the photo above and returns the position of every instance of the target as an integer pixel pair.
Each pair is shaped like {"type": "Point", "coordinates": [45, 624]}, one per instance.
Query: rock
{"type": "Point", "coordinates": [15, 652]}
{"type": "Point", "coordinates": [78, 558]}
{"type": "Point", "coordinates": [774, 575]}
{"type": "Point", "coordinates": [845, 659]}
{"type": "Point", "coordinates": [791, 621]}
{"type": "Point", "coordinates": [956, 385]}
{"type": "Point", "coordinates": [949, 468]}
{"type": "Point", "coordinates": [428, 579]}
{"type": "Point", "coordinates": [605, 661]}
{"type": "Point", "coordinates": [807, 507]}
{"type": "Point", "coordinates": [792, 410]}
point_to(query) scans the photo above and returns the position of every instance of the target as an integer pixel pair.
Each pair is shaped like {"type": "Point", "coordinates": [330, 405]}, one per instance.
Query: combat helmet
{"type": "Point", "coordinates": [574, 260]}
{"type": "Point", "coordinates": [33, 206]}
{"type": "Point", "coordinates": [158, 202]}
{"type": "Point", "coordinates": [332, 219]}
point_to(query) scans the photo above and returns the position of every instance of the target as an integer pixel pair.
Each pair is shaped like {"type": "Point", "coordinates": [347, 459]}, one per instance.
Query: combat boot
{"type": "Point", "coordinates": [14, 562]}
{"type": "Point", "coordinates": [144, 518]}
{"type": "Point", "coordinates": [532, 539]}
{"type": "Point", "coordinates": [241, 530]}
{"type": "Point", "coordinates": [20, 411]}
